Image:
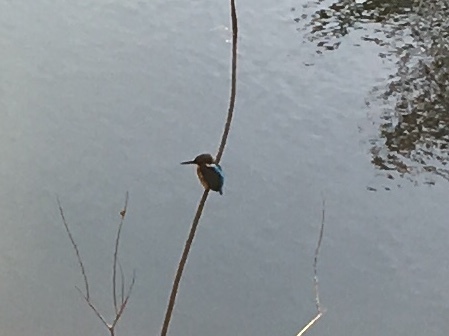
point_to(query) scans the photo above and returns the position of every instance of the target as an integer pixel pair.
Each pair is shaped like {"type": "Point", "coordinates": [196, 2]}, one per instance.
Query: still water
{"type": "Point", "coordinates": [102, 97]}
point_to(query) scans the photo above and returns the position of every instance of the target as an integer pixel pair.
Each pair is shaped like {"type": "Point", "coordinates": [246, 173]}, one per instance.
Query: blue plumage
{"type": "Point", "coordinates": [209, 173]}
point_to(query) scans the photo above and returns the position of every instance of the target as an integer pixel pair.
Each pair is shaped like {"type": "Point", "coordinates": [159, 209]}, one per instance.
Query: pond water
{"type": "Point", "coordinates": [102, 97]}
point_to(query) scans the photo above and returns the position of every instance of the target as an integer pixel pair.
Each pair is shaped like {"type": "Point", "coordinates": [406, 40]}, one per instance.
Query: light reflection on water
{"type": "Point", "coordinates": [412, 140]}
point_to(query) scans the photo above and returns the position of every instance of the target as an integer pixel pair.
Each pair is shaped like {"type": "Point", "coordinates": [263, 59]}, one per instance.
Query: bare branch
{"type": "Point", "coordinates": [114, 267]}
{"type": "Point", "coordinates": [233, 82]}
{"type": "Point", "coordinates": [119, 308]}
{"type": "Point", "coordinates": [122, 285]}
{"type": "Point", "coordinates": [75, 247]}
{"type": "Point", "coordinates": [182, 262]}
{"type": "Point", "coordinates": [95, 310]}
{"type": "Point", "coordinates": [125, 302]}
{"type": "Point", "coordinates": [185, 253]}
{"type": "Point", "coordinates": [315, 261]}
{"type": "Point", "coordinates": [319, 308]}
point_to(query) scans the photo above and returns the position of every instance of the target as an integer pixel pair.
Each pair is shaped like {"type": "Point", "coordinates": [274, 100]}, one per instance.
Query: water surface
{"type": "Point", "coordinates": [102, 97]}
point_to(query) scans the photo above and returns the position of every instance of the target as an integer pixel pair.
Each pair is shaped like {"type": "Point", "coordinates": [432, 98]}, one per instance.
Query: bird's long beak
{"type": "Point", "coordinates": [187, 162]}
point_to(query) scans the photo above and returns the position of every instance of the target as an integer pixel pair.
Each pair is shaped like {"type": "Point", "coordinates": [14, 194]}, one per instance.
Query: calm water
{"type": "Point", "coordinates": [101, 97]}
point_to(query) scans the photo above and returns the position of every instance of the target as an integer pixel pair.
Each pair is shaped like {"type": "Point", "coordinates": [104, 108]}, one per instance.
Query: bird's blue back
{"type": "Point", "coordinates": [219, 171]}
{"type": "Point", "coordinates": [213, 176]}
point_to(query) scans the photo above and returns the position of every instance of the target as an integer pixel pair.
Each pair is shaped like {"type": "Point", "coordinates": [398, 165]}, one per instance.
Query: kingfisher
{"type": "Point", "coordinates": [209, 173]}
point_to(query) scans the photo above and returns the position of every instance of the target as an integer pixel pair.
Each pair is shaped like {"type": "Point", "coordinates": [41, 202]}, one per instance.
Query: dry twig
{"type": "Point", "coordinates": [75, 247]}
{"type": "Point", "coordinates": [319, 308]}
{"type": "Point", "coordinates": [118, 307]}
{"type": "Point", "coordinates": [114, 267]}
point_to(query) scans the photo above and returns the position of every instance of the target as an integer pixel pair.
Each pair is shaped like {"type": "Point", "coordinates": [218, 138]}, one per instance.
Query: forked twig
{"type": "Point", "coordinates": [185, 253]}
{"type": "Point", "coordinates": [319, 308]}
{"type": "Point", "coordinates": [125, 301]}
{"type": "Point", "coordinates": [94, 309]}
{"type": "Point", "coordinates": [119, 308]}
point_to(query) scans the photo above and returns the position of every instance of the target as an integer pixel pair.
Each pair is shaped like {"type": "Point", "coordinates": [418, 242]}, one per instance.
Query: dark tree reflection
{"type": "Point", "coordinates": [414, 127]}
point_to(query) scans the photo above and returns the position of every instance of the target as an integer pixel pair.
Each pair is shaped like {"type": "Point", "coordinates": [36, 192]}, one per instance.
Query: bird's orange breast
{"type": "Point", "coordinates": [201, 178]}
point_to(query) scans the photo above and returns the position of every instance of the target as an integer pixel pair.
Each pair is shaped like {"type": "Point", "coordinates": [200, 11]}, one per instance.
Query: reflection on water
{"type": "Point", "coordinates": [413, 133]}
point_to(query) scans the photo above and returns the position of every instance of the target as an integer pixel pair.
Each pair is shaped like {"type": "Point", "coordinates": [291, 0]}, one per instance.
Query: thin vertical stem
{"type": "Point", "coordinates": [227, 127]}
{"type": "Point", "coordinates": [114, 267]}
{"type": "Point", "coordinates": [182, 262]}
{"type": "Point", "coordinates": [185, 253]}
{"type": "Point", "coordinates": [319, 308]}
